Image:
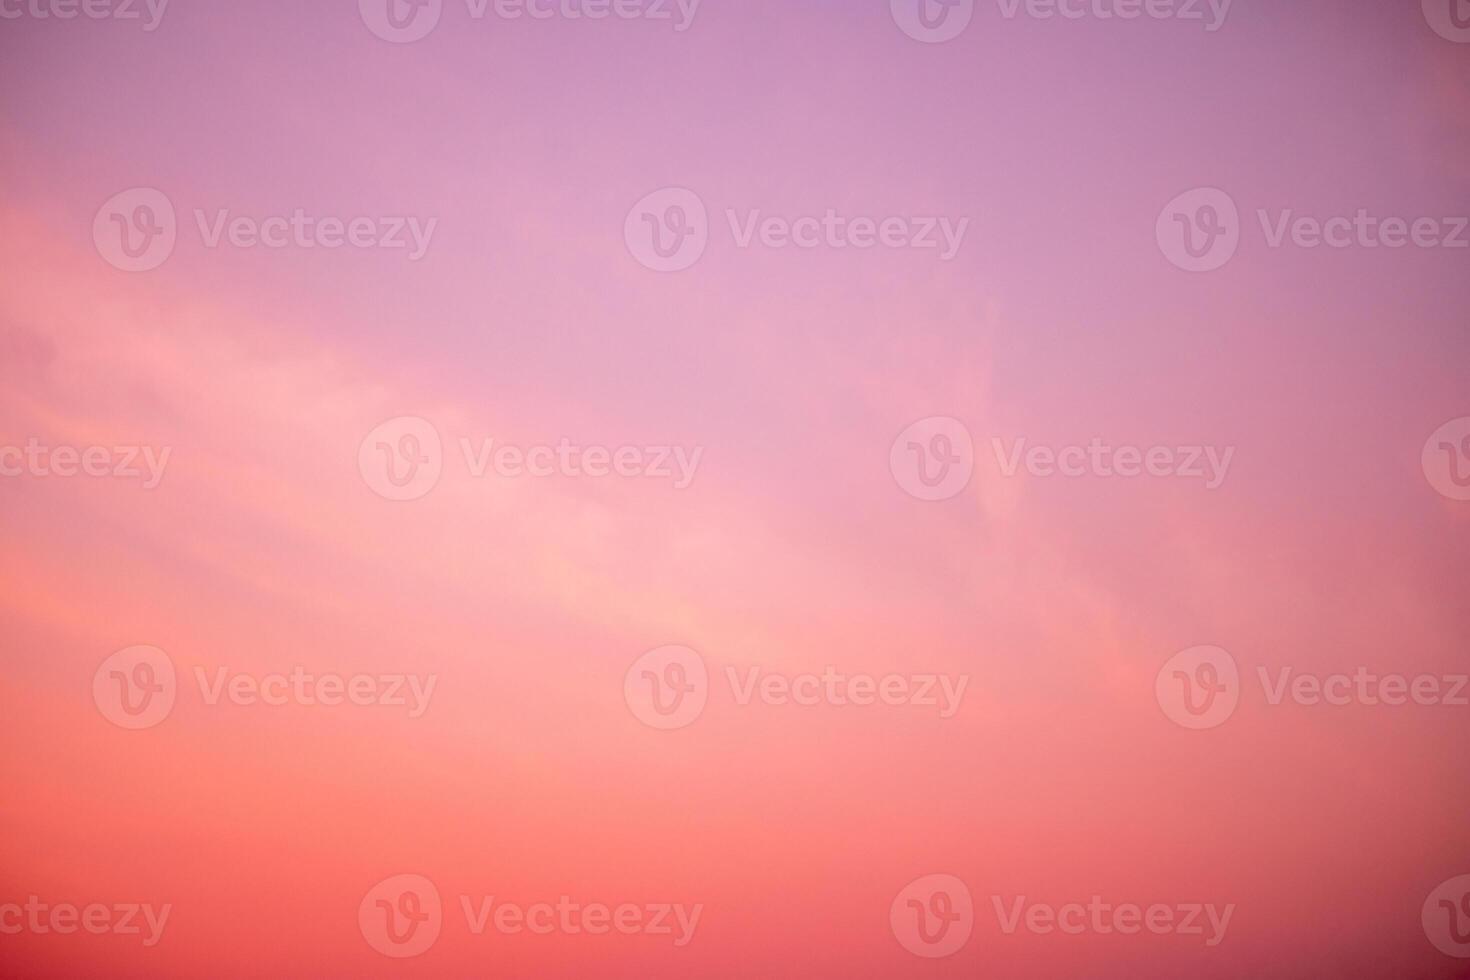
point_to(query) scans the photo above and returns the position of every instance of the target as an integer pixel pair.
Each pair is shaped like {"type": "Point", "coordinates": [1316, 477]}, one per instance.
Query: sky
{"type": "Point", "coordinates": [677, 463]}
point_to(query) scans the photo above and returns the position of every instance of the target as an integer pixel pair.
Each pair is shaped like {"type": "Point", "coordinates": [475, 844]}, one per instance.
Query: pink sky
{"type": "Point", "coordinates": [1325, 549]}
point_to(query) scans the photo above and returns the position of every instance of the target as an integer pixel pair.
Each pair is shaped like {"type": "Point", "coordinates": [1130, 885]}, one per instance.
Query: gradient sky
{"type": "Point", "coordinates": [528, 321]}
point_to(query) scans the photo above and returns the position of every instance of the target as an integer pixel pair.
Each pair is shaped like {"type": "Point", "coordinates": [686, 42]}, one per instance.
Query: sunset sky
{"type": "Point", "coordinates": [796, 544]}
